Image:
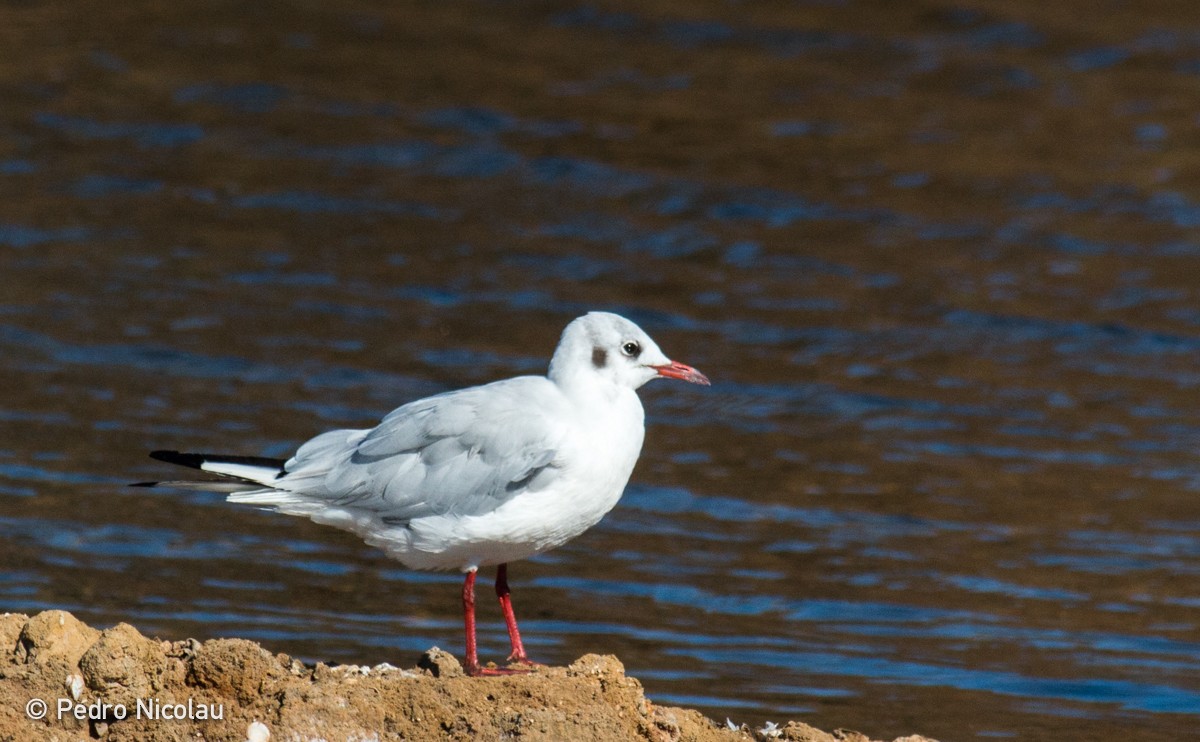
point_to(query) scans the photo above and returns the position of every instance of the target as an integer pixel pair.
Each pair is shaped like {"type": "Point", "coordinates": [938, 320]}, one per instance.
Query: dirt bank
{"type": "Point", "coordinates": [119, 685]}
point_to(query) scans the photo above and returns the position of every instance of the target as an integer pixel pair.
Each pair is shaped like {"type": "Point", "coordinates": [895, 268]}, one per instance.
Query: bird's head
{"type": "Point", "coordinates": [616, 350]}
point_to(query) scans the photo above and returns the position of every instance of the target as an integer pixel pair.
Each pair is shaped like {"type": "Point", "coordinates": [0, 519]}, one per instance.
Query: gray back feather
{"type": "Point", "coordinates": [460, 453]}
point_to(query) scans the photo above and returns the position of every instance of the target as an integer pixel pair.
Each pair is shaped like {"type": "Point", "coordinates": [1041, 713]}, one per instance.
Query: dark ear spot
{"type": "Point", "coordinates": [599, 357]}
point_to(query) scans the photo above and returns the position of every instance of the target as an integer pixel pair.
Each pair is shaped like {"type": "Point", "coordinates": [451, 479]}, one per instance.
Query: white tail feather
{"type": "Point", "coordinates": [254, 473]}
{"type": "Point", "coordinates": [208, 485]}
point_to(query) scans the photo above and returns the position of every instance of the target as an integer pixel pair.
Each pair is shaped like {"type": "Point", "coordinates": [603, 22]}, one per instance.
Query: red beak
{"type": "Point", "coordinates": [683, 372]}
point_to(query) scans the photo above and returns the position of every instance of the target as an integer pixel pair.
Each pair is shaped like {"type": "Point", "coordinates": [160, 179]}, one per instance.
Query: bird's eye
{"type": "Point", "coordinates": [631, 349]}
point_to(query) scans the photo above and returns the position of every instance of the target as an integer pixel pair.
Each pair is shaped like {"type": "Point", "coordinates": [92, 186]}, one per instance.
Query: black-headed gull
{"type": "Point", "coordinates": [474, 477]}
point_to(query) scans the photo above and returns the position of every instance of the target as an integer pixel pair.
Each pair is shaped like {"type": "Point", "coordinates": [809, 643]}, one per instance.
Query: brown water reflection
{"type": "Point", "coordinates": [939, 260]}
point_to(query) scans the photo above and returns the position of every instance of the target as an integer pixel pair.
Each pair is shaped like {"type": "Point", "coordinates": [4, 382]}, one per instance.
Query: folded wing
{"type": "Point", "coordinates": [460, 453]}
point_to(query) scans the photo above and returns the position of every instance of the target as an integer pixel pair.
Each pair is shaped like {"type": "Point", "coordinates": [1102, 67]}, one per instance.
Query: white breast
{"type": "Point", "coordinates": [597, 459]}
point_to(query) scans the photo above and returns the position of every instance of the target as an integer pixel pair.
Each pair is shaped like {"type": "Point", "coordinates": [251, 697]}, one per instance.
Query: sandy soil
{"type": "Point", "coordinates": [119, 685]}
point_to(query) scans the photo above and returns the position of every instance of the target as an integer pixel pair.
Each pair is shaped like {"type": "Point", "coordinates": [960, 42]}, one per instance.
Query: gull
{"type": "Point", "coordinates": [476, 477]}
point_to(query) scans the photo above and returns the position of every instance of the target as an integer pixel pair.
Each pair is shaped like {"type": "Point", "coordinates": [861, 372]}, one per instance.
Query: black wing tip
{"type": "Point", "coordinates": [197, 460]}
{"type": "Point", "coordinates": [143, 484]}
{"type": "Point", "coordinates": [194, 460]}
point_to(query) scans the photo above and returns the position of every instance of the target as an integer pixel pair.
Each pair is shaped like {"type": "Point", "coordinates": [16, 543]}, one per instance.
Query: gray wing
{"type": "Point", "coordinates": [459, 453]}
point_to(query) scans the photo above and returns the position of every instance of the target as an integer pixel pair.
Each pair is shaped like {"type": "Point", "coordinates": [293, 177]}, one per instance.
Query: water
{"type": "Point", "coordinates": [939, 262]}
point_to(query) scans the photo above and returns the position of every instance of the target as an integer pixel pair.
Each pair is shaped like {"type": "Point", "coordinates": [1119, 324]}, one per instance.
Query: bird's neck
{"type": "Point", "coordinates": [587, 390]}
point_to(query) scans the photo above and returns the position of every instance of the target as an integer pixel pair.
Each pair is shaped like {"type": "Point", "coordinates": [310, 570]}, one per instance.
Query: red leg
{"type": "Point", "coordinates": [510, 618]}
{"type": "Point", "coordinates": [468, 601]}
{"type": "Point", "coordinates": [473, 667]}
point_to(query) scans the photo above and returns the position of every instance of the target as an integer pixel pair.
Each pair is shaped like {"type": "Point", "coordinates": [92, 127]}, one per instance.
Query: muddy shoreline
{"type": "Point", "coordinates": [61, 679]}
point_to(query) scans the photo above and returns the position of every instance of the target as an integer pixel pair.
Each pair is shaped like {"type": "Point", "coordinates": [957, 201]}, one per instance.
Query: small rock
{"type": "Point", "coordinates": [235, 667]}
{"type": "Point", "coordinates": [667, 723]}
{"type": "Point", "coordinates": [54, 636]}
{"type": "Point", "coordinates": [257, 732]}
{"type": "Point", "coordinates": [75, 685]}
{"type": "Point", "coordinates": [11, 625]}
{"type": "Point", "coordinates": [185, 649]}
{"type": "Point", "coordinates": [796, 731]}
{"type": "Point", "coordinates": [603, 665]}
{"type": "Point", "coordinates": [440, 664]}
{"type": "Point", "coordinates": [124, 665]}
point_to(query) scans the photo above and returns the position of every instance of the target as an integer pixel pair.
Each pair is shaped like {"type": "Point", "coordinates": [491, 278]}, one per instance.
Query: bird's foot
{"type": "Point", "coordinates": [490, 671]}
{"type": "Point", "coordinates": [526, 663]}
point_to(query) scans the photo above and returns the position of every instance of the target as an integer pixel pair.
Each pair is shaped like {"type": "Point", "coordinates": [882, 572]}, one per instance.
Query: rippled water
{"type": "Point", "coordinates": [939, 260]}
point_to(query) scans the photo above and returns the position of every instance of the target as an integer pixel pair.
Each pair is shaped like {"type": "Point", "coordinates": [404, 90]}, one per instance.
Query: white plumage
{"type": "Point", "coordinates": [480, 476]}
